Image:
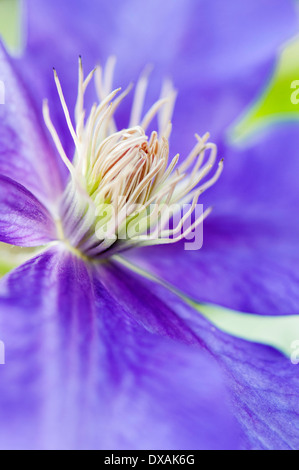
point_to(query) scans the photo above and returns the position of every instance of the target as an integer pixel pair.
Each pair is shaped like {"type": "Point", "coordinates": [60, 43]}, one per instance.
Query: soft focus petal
{"type": "Point", "coordinates": [24, 152]}
{"type": "Point", "coordinates": [24, 221]}
{"type": "Point", "coordinates": [204, 31]}
{"type": "Point", "coordinates": [82, 372]}
{"type": "Point", "coordinates": [245, 264]}
{"type": "Point", "coordinates": [264, 383]}
{"type": "Point", "coordinates": [260, 180]}
{"type": "Point", "coordinates": [219, 54]}
{"type": "Point", "coordinates": [265, 386]}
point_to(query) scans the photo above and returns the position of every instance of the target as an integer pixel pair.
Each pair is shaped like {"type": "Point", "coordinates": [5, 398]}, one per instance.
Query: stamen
{"type": "Point", "coordinates": [121, 176]}
{"type": "Point", "coordinates": [55, 137]}
{"type": "Point", "coordinates": [139, 97]}
{"type": "Point", "coordinates": [152, 112]}
{"type": "Point", "coordinates": [65, 109]}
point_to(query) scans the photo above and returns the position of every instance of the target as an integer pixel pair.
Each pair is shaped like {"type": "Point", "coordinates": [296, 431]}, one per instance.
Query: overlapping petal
{"type": "Point", "coordinates": [24, 221]}
{"type": "Point", "coordinates": [219, 54]}
{"type": "Point", "coordinates": [83, 372]}
{"type": "Point", "coordinates": [247, 264]}
{"type": "Point", "coordinates": [264, 383]}
{"type": "Point", "coordinates": [25, 155]}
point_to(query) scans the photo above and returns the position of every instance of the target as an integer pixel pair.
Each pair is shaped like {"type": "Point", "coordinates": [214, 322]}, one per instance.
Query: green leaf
{"type": "Point", "coordinates": [279, 332]}
{"type": "Point", "coordinates": [275, 104]}
{"type": "Point", "coordinates": [12, 24]}
{"type": "Point", "coordinates": [5, 268]}
{"type": "Point", "coordinates": [12, 256]}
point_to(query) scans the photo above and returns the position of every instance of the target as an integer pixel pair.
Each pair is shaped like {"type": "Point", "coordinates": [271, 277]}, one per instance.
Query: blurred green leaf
{"type": "Point", "coordinates": [11, 24]}
{"type": "Point", "coordinates": [13, 256]}
{"type": "Point", "coordinates": [280, 332]}
{"type": "Point", "coordinates": [275, 105]}
{"type": "Point", "coordinates": [5, 268]}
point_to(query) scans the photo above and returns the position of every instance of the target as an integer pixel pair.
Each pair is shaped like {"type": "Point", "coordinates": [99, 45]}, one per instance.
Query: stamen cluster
{"type": "Point", "coordinates": [121, 179]}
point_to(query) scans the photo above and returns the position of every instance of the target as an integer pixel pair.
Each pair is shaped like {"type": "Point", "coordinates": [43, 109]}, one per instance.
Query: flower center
{"type": "Point", "coordinates": [123, 190]}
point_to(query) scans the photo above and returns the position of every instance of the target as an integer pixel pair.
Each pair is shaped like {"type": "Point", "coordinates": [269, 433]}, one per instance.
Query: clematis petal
{"type": "Point", "coordinates": [219, 54]}
{"type": "Point", "coordinates": [82, 372]}
{"type": "Point", "coordinates": [24, 152]}
{"type": "Point", "coordinates": [265, 388]}
{"type": "Point", "coordinates": [246, 265]}
{"type": "Point", "coordinates": [260, 180]}
{"type": "Point", "coordinates": [108, 27]}
{"type": "Point", "coordinates": [24, 221]}
{"type": "Point", "coordinates": [278, 331]}
{"type": "Point", "coordinates": [264, 383]}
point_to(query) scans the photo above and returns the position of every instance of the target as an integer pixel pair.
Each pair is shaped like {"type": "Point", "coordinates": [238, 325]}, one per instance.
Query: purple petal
{"type": "Point", "coordinates": [265, 388]}
{"type": "Point", "coordinates": [260, 180]}
{"type": "Point", "coordinates": [81, 372]}
{"type": "Point", "coordinates": [264, 383]}
{"type": "Point", "coordinates": [24, 152]}
{"type": "Point", "coordinates": [247, 264]}
{"type": "Point", "coordinates": [24, 221]}
{"type": "Point", "coordinates": [219, 54]}
{"type": "Point", "coordinates": [100, 28]}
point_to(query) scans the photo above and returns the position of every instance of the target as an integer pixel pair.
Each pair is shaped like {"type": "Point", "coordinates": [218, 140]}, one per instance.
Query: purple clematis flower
{"type": "Point", "coordinates": [98, 356]}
